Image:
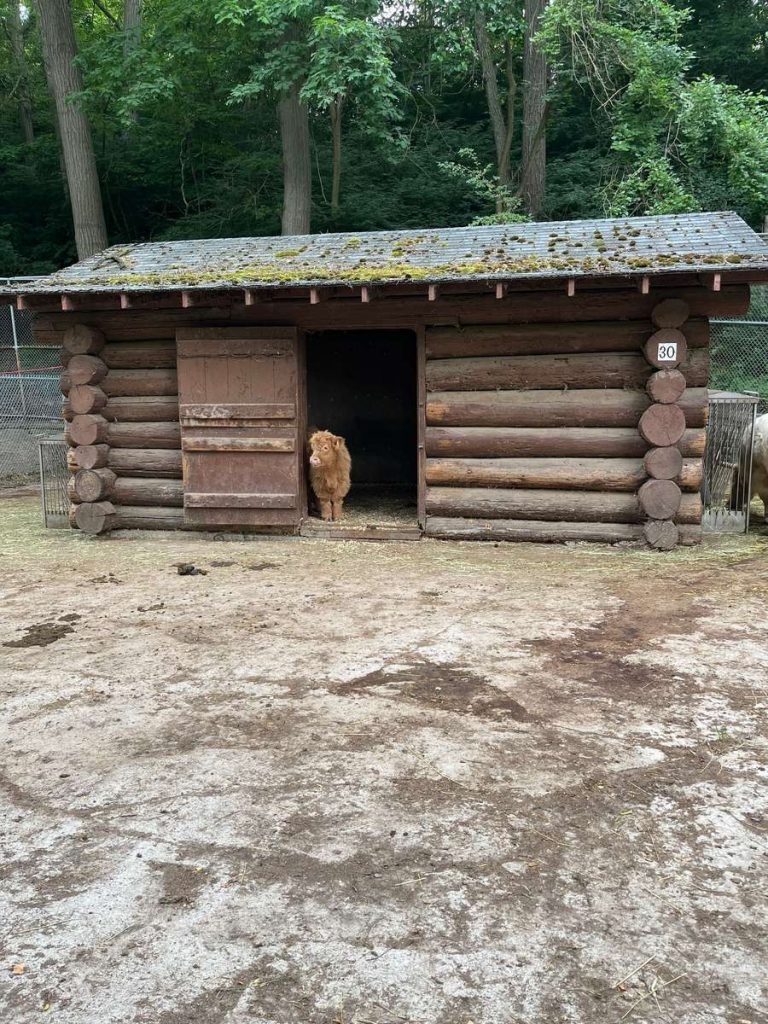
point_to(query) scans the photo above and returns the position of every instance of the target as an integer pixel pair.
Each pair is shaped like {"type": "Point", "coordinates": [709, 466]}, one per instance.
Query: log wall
{"type": "Point", "coordinates": [123, 430]}
{"type": "Point", "coordinates": [577, 431]}
{"type": "Point", "coordinates": [546, 416]}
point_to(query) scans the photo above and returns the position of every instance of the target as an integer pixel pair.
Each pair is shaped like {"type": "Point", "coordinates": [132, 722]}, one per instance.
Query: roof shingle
{"type": "Point", "coordinates": [594, 248]}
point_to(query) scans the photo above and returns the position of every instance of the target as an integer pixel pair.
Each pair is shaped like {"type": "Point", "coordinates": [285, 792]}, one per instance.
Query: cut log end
{"type": "Point", "coordinates": [94, 484]}
{"type": "Point", "coordinates": [666, 386]}
{"type": "Point", "coordinates": [87, 429]}
{"type": "Point", "coordinates": [660, 499]}
{"type": "Point", "coordinates": [663, 463]}
{"type": "Point", "coordinates": [85, 369]}
{"type": "Point", "coordinates": [670, 313]}
{"type": "Point", "coordinates": [81, 340]}
{"type": "Point", "coordinates": [85, 398]}
{"type": "Point", "coordinates": [96, 517]}
{"type": "Point", "coordinates": [666, 349]}
{"type": "Point", "coordinates": [661, 534]}
{"type": "Point", "coordinates": [662, 425]}
{"type": "Point", "coordinates": [90, 456]}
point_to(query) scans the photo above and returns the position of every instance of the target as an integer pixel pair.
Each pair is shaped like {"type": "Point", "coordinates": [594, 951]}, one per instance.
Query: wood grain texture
{"type": "Point", "coordinates": [145, 462]}
{"type": "Point", "coordinates": [586, 408]}
{"type": "Point", "coordinates": [542, 339]}
{"type": "Point", "coordinates": [663, 463]}
{"type": "Point", "coordinates": [560, 474]}
{"type": "Point", "coordinates": [144, 435]}
{"type": "Point", "coordinates": [536, 531]}
{"type": "Point", "coordinates": [149, 409]}
{"type": "Point", "coordinates": [662, 425]}
{"type": "Point", "coordinates": [140, 355]}
{"type": "Point", "coordinates": [660, 499]}
{"type": "Point", "coordinates": [667, 386]}
{"type": "Point", "coordinates": [548, 442]}
{"type": "Point", "coordinates": [582, 370]}
{"type": "Point", "coordinates": [140, 383]}
{"type": "Point", "coordinates": [568, 506]}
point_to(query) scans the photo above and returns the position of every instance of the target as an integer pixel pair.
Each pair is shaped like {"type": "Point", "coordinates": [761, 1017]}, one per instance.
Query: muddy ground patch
{"type": "Point", "coordinates": [435, 783]}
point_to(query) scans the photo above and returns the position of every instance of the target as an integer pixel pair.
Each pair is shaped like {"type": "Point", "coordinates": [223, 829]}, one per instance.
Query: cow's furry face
{"type": "Point", "coordinates": [323, 448]}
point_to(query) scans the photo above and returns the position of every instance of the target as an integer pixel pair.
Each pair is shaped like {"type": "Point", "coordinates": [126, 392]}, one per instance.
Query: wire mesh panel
{"type": "Point", "coordinates": [53, 481]}
{"type": "Point", "coordinates": [739, 350]}
{"type": "Point", "coordinates": [728, 462]}
{"type": "Point", "coordinates": [30, 399]}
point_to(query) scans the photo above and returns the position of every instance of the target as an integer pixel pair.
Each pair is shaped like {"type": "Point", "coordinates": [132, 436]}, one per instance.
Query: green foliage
{"type": "Point", "coordinates": [482, 182]}
{"type": "Point", "coordinates": [654, 106]}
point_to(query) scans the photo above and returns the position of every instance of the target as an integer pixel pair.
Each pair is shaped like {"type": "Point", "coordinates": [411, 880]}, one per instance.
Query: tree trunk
{"type": "Point", "coordinates": [502, 124]}
{"type": "Point", "coordinates": [64, 78]}
{"type": "Point", "coordinates": [534, 168]}
{"type": "Point", "coordinates": [336, 108]}
{"type": "Point", "coordinates": [131, 36]}
{"type": "Point", "coordinates": [16, 34]}
{"type": "Point", "coordinates": [131, 26]}
{"type": "Point", "coordinates": [297, 168]}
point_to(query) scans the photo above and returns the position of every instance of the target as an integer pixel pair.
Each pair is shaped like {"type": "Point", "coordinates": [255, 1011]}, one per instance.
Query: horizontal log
{"type": "Point", "coordinates": [140, 355]}
{"type": "Point", "coordinates": [152, 492]}
{"type": "Point", "coordinates": [145, 518]}
{"type": "Point", "coordinates": [535, 305]}
{"type": "Point", "coordinates": [537, 531]}
{"type": "Point", "coordinates": [579, 474]}
{"type": "Point", "coordinates": [547, 442]}
{"type": "Point", "coordinates": [141, 435]}
{"type": "Point", "coordinates": [582, 370]}
{"type": "Point", "coordinates": [150, 409]}
{"type": "Point", "coordinates": [586, 408]}
{"type": "Point", "coordinates": [691, 475]}
{"type": "Point", "coordinates": [72, 494]}
{"type": "Point", "coordinates": [534, 339]}
{"type": "Point", "coordinates": [138, 383]}
{"type": "Point", "coordinates": [143, 462]}
{"type": "Point", "coordinates": [570, 506]}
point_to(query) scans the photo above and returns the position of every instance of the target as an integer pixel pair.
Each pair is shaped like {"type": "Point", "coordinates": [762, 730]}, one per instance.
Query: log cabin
{"type": "Point", "coordinates": [543, 382]}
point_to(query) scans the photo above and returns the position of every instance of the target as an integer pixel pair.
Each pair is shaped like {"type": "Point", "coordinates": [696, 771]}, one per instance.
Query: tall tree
{"type": "Point", "coordinates": [131, 26]}
{"type": "Point", "coordinates": [15, 31]}
{"type": "Point", "coordinates": [534, 156]}
{"type": "Point", "coordinates": [501, 113]}
{"type": "Point", "coordinates": [297, 162]}
{"type": "Point", "coordinates": [64, 78]}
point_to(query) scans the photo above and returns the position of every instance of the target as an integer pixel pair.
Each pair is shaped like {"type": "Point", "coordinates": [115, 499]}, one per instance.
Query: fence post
{"type": "Point", "coordinates": [17, 354]}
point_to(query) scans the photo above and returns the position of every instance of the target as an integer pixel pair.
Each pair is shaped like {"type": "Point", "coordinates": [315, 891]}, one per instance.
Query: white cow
{"type": "Point", "coordinates": [760, 462]}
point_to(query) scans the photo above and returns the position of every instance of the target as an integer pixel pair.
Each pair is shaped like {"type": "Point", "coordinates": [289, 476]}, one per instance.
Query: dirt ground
{"type": "Point", "coordinates": [334, 782]}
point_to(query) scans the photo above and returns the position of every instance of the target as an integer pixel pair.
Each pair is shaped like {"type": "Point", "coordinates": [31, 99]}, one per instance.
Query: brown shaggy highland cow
{"type": "Point", "coordinates": [330, 465]}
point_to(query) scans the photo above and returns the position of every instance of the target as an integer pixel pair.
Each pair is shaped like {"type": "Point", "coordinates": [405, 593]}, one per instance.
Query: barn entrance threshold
{"type": "Point", "coordinates": [371, 514]}
{"type": "Point", "coordinates": [362, 385]}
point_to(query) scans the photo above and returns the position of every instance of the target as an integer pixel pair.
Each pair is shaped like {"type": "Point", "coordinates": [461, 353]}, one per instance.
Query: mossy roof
{"type": "Point", "coordinates": [594, 248]}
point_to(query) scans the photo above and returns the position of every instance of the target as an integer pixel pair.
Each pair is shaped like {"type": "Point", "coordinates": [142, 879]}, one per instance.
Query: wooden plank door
{"type": "Point", "coordinates": [239, 410]}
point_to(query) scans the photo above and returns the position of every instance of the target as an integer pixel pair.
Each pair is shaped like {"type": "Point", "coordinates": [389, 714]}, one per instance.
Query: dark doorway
{"type": "Point", "coordinates": [362, 385]}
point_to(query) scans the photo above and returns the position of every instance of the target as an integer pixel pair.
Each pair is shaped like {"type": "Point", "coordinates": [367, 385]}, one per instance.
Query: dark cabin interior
{"type": "Point", "coordinates": [363, 386]}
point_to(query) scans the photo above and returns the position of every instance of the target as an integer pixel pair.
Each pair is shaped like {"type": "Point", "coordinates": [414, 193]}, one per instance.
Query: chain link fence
{"type": "Point", "coordinates": [740, 351]}
{"type": "Point", "coordinates": [30, 399]}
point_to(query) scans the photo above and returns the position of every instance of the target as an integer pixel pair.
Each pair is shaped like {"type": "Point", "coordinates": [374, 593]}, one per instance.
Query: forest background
{"type": "Point", "coordinates": [128, 120]}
